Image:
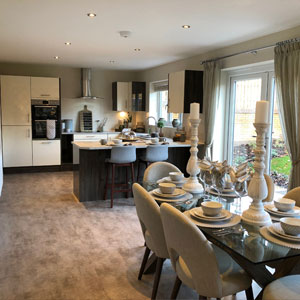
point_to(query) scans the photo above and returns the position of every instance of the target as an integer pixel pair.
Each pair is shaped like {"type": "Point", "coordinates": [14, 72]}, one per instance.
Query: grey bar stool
{"type": "Point", "coordinates": [153, 153]}
{"type": "Point", "coordinates": [120, 156]}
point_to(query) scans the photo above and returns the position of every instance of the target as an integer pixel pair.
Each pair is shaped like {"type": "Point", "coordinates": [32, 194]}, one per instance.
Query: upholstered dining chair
{"type": "Point", "coordinates": [157, 171]}
{"type": "Point", "coordinates": [294, 194]}
{"type": "Point", "coordinates": [149, 216]}
{"type": "Point", "coordinates": [154, 153]}
{"type": "Point", "coordinates": [284, 288]}
{"type": "Point", "coordinates": [210, 273]}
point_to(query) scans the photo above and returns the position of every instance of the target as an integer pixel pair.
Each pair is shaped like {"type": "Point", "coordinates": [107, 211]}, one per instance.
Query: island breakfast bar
{"type": "Point", "coordinates": [89, 174]}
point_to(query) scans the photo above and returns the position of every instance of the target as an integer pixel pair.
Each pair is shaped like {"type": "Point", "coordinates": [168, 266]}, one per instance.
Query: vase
{"type": "Point", "coordinates": [51, 130]}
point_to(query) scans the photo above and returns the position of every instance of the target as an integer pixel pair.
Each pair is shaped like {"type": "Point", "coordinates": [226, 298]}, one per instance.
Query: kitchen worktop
{"type": "Point", "coordinates": [93, 132]}
{"type": "Point", "coordinates": [98, 146]}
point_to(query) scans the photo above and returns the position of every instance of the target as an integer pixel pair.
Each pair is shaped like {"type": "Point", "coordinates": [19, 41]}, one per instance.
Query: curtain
{"type": "Point", "coordinates": [287, 77]}
{"type": "Point", "coordinates": [211, 88]}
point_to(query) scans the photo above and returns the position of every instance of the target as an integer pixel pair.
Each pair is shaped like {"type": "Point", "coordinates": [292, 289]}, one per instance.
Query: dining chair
{"type": "Point", "coordinates": [154, 153]}
{"type": "Point", "coordinates": [157, 171]}
{"type": "Point", "coordinates": [149, 216]}
{"type": "Point", "coordinates": [284, 288]}
{"type": "Point", "coordinates": [271, 188]}
{"type": "Point", "coordinates": [294, 194]}
{"type": "Point", "coordinates": [120, 156]}
{"type": "Point", "coordinates": [207, 269]}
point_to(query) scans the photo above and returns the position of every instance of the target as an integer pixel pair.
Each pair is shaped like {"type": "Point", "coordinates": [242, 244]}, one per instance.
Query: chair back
{"type": "Point", "coordinates": [270, 185]}
{"type": "Point", "coordinates": [158, 170]}
{"type": "Point", "coordinates": [123, 154]}
{"type": "Point", "coordinates": [186, 243]}
{"type": "Point", "coordinates": [149, 216]}
{"type": "Point", "coordinates": [294, 194]}
{"type": "Point", "coordinates": [156, 153]}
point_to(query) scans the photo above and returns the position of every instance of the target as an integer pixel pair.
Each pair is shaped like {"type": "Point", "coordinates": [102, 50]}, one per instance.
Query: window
{"type": "Point", "coordinates": [158, 104]}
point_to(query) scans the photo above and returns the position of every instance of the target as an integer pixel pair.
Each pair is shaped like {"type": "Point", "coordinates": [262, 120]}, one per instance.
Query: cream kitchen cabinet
{"type": "Point", "coordinates": [45, 88]}
{"type": "Point", "coordinates": [17, 146]}
{"type": "Point", "coordinates": [45, 152]}
{"type": "Point", "coordinates": [121, 92]}
{"type": "Point", "coordinates": [185, 87]}
{"type": "Point", "coordinates": [15, 100]}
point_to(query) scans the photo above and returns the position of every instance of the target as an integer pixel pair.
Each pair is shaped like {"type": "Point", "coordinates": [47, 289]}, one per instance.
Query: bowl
{"type": "Point", "coordinates": [284, 204]}
{"type": "Point", "coordinates": [176, 176]}
{"type": "Point", "coordinates": [167, 188]}
{"type": "Point", "coordinates": [290, 225]}
{"type": "Point", "coordinates": [211, 208]}
{"type": "Point", "coordinates": [117, 141]}
{"type": "Point", "coordinates": [154, 140]}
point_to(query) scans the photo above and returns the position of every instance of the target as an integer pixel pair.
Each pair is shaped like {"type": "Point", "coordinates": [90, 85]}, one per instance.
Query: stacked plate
{"type": "Point", "coordinates": [177, 196]}
{"type": "Point", "coordinates": [276, 230]}
{"type": "Point", "coordinates": [224, 193]}
{"type": "Point", "coordinates": [222, 220]}
{"type": "Point", "coordinates": [179, 183]}
{"type": "Point", "coordinates": [277, 214]}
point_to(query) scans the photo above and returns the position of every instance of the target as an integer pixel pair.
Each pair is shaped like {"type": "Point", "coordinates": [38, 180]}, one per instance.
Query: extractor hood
{"type": "Point", "coordinates": [86, 76]}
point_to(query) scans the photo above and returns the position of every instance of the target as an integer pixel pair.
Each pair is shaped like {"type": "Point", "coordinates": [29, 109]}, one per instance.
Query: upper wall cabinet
{"type": "Point", "coordinates": [45, 88]}
{"type": "Point", "coordinates": [129, 96]}
{"type": "Point", "coordinates": [185, 87]}
{"type": "Point", "coordinates": [15, 100]}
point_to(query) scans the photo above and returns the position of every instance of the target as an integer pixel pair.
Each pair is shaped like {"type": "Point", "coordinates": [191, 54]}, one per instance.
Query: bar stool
{"type": "Point", "coordinates": [153, 153]}
{"type": "Point", "coordinates": [120, 156]}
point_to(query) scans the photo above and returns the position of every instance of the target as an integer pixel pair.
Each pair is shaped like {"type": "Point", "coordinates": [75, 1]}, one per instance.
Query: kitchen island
{"type": "Point", "coordinates": [89, 174]}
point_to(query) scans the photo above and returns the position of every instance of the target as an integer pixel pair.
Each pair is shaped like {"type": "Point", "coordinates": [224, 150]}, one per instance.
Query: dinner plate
{"type": "Point", "coordinates": [184, 198]}
{"type": "Point", "coordinates": [223, 216]}
{"type": "Point", "coordinates": [153, 144]}
{"type": "Point", "coordinates": [177, 193]}
{"type": "Point", "coordinates": [273, 210]}
{"type": "Point", "coordinates": [281, 236]}
{"type": "Point", "coordinates": [277, 227]}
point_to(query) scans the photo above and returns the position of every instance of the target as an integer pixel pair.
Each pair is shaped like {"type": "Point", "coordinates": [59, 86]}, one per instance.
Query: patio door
{"type": "Point", "coordinates": [244, 92]}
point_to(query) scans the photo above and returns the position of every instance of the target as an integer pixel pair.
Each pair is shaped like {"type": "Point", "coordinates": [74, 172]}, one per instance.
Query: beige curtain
{"type": "Point", "coordinates": [287, 76]}
{"type": "Point", "coordinates": [211, 88]}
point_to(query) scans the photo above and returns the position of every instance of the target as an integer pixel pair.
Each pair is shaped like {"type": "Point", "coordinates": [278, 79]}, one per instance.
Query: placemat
{"type": "Point", "coordinates": [232, 222]}
{"type": "Point", "coordinates": [268, 236]}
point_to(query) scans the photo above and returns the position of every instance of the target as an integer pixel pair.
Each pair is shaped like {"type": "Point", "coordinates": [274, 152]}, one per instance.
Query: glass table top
{"type": "Point", "coordinates": [244, 239]}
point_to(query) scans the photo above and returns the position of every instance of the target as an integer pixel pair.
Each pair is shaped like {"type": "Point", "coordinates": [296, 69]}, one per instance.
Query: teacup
{"type": "Point", "coordinates": [117, 141]}
{"type": "Point", "coordinates": [211, 208]}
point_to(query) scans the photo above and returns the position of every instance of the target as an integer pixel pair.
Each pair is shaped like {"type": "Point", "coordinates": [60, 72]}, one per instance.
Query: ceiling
{"type": "Point", "coordinates": [34, 31]}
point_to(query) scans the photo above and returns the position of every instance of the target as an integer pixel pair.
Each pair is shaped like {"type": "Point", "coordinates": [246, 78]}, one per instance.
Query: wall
{"type": "Point", "coordinates": [194, 63]}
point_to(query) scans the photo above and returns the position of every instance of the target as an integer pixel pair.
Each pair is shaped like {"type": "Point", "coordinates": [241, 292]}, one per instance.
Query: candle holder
{"type": "Point", "coordinates": [258, 189]}
{"type": "Point", "coordinates": [193, 185]}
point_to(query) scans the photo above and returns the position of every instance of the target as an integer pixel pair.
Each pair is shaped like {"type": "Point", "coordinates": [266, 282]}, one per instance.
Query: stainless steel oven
{"type": "Point", "coordinates": [41, 111]}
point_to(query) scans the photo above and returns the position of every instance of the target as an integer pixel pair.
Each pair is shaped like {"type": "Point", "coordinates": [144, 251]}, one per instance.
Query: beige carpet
{"type": "Point", "coordinates": [53, 247]}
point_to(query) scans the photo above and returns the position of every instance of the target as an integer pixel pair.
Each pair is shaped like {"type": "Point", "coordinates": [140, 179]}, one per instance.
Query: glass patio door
{"type": "Point", "coordinates": [245, 91]}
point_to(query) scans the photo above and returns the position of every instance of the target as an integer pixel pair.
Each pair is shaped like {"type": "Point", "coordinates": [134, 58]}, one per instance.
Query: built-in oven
{"type": "Point", "coordinates": [41, 111]}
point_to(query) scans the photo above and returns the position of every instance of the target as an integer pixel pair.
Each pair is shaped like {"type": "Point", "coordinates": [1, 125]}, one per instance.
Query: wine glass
{"type": "Point", "coordinates": [241, 190]}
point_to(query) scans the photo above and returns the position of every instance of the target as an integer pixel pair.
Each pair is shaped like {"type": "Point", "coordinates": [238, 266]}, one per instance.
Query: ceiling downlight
{"type": "Point", "coordinates": [91, 15]}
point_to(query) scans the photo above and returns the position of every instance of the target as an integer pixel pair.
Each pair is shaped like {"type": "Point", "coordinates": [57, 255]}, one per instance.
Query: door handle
{"type": "Point", "coordinates": [45, 95]}
{"type": "Point", "coordinates": [28, 118]}
{"type": "Point", "coordinates": [46, 142]}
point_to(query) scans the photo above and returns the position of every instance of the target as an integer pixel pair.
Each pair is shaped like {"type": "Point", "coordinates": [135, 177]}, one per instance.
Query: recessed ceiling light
{"type": "Point", "coordinates": [67, 43]}
{"type": "Point", "coordinates": [137, 49]}
{"type": "Point", "coordinates": [186, 26]}
{"type": "Point", "coordinates": [111, 61]}
{"type": "Point", "coordinates": [56, 57]}
{"type": "Point", "coordinates": [91, 15]}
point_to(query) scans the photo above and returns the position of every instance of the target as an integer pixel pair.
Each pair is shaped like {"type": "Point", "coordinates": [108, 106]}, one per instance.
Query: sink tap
{"type": "Point", "coordinates": [155, 122]}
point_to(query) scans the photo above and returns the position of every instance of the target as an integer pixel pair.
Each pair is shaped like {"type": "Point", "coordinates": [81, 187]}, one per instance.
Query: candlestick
{"type": "Point", "coordinates": [262, 112]}
{"type": "Point", "coordinates": [194, 110]}
{"type": "Point", "coordinates": [258, 189]}
{"type": "Point", "coordinates": [193, 185]}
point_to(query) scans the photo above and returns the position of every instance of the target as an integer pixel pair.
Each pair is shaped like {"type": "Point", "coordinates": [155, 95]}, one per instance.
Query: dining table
{"type": "Point", "coordinates": [264, 260]}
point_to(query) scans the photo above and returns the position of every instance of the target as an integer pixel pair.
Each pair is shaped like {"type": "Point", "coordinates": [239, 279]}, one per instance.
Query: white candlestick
{"type": "Point", "coordinates": [194, 111]}
{"type": "Point", "coordinates": [262, 112]}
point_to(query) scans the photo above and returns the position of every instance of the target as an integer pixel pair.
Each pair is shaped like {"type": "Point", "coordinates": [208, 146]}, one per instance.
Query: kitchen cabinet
{"type": "Point", "coordinates": [17, 146]}
{"type": "Point", "coordinates": [15, 100]}
{"type": "Point", "coordinates": [46, 152]}
{"type": "Point", "coordinates": [129, 96]}
{"type": "Point", "coordinates": [185, 87]}
{"type": "Point", "coordinates": [45, 88]}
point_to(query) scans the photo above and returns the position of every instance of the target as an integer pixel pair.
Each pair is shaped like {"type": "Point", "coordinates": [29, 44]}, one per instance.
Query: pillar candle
{"type": "Point", "coordinates": [262, 112]}
{"type": "Point", "coordinates": [194, 110]}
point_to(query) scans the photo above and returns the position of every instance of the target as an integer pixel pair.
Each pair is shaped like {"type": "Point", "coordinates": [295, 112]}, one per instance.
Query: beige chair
{"type": "Point", "coordinates": [285, 288]}
{"type": "Point", "coordinates": [196, 262]}
{"type": "Point", "coordinates": [294, 194]}
{"type": "Point", "coordinates": [157, 171]}
{"type": "Point", "coordinates": [149, 216]}
{"type": "Point", "coordinates": [270, 185]}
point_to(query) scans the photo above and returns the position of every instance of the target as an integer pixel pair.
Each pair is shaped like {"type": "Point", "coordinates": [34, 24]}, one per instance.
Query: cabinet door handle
{"type": "Point", "coordinates": [28, 117]}
{"type": "Point", "coordinates": [45, 95]}
{"type": "Point", "coordinates": [46, 142]}
{"type": "Point", "coordinates": [28, 133]}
